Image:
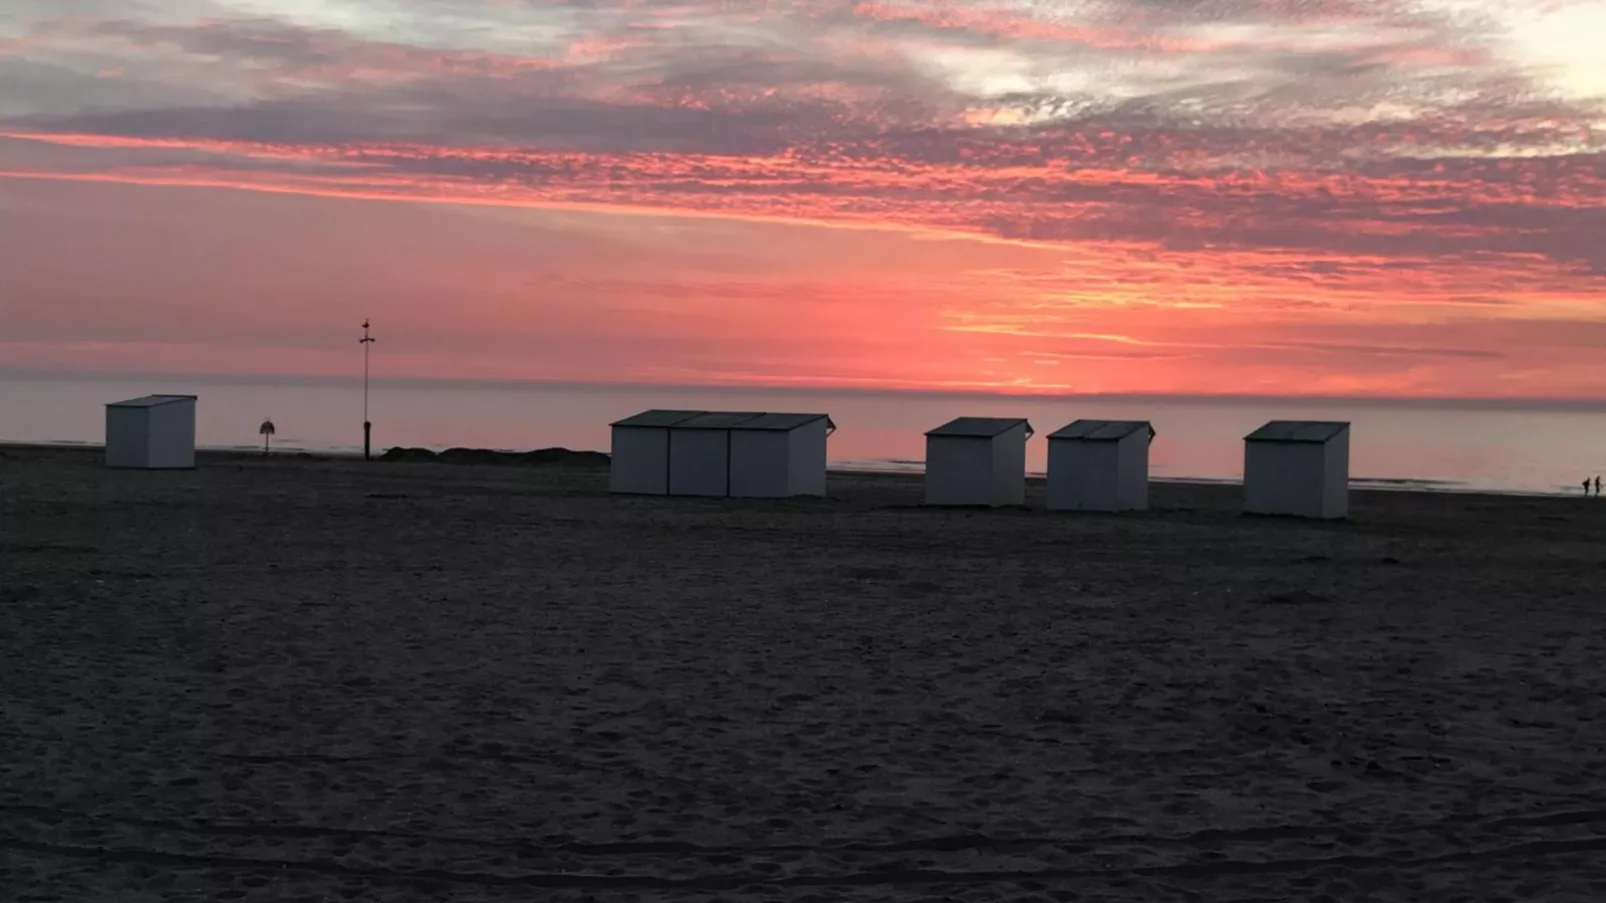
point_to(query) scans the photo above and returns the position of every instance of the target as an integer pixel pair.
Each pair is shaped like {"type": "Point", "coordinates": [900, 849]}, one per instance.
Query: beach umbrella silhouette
{"type": "Point", "coordinates": [266, 429]}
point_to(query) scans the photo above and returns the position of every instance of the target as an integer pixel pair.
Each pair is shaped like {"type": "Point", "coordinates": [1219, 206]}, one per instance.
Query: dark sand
{"type": "Point", "coordinates": [322, 680]}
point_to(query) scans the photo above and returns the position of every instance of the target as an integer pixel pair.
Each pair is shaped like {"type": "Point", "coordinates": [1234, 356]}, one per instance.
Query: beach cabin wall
{"type": "Point", "coordinates": [1099, 465]}
{"type": "Point", "coordinates": [977, 461]}
{"type": "Point", "coordinates": [1298, 468]}
{"type": "Point", "coordinates": [639, 461]}
{"type": "Point", "coordinates": [700, 453]}
{"type": "Point", "coordinates": [779, 456]}
{"type": "Point", "coordinates": [156, 432]}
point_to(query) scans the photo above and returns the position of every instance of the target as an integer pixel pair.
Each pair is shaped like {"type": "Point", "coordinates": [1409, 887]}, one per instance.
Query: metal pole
{"type": "Point", "coordinates": [367, 427]}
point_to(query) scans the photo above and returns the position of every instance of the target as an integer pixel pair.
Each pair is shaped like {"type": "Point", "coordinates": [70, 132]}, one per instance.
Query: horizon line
{"type": "Point", "coordinates": [515, 384]}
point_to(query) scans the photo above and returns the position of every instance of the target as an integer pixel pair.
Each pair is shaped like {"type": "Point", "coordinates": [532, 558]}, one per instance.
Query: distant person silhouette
{"type": "Point", "coordinates": [1597, 487]}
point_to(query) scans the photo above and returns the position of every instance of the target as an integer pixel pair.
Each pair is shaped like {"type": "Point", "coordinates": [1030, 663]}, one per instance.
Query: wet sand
{"type": "Point", "coordinates": [305, 679]}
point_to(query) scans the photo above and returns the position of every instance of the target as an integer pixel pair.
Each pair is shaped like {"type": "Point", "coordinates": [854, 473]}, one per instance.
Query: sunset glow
{"type": "Point", "coordinates": [1336, 197]}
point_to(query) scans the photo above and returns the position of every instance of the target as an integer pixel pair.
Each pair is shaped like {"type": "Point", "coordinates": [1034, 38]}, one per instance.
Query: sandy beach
{"type": "Point", "coordinates": [303, 679]}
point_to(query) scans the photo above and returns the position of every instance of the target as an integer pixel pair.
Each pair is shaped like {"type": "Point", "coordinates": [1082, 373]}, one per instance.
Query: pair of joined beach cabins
{"type": "Point", "coordinates": [1093, 465]}
{"type": "Point", "coordinates": [1298, 468]}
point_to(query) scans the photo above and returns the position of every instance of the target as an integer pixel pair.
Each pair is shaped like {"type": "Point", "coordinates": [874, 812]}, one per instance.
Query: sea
{"type": "Point", "coordinates": [1499, 446]}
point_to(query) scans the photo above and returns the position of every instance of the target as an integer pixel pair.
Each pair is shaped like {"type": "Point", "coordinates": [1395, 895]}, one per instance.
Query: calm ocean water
{"type": "Point", "coordinates": [1428, 445]}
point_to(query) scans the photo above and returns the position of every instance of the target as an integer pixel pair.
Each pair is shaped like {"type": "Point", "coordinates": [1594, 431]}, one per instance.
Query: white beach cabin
{"type": "Point", "coordinates": [1298, 468]}
{"type": "Point", "coordinates": [1099, 465]}
{"type": "Point", "coordinates": [639, 460]}
{"type": "Point", "coordinates": [977, 461]}
{"type": "Point", "coordinates": [700, 453]}
{"type": "Point", "coordinates": [156, 432]}
{"type": "Point", "coordinates": [779, 456]}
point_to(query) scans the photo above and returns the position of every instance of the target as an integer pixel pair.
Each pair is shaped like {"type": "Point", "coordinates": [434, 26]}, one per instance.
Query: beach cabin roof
{"type": "Point", "coordinates": [656, 418]}
{"type": "Point", "coordinates": [783, 422]}
{"type": "Point", "coordinates": [723, 420]}
{"type": "Point", "coordinates": [1298, 431]}
{"type": "Point", "coordinates": [1101, 430]}
{"type": "Point", "coordinates": [982, 427]}
{"type": "Point", "coordinates": [151, 401]}
{"type": "Point", "coordinates": [715, 420]}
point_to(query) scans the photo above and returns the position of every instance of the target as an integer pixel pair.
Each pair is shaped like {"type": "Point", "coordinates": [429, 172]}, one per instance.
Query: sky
{"type": "Point", "coordinates": [1297, 197]}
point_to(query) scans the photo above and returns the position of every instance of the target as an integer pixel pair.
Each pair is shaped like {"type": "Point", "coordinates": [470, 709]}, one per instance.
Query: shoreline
{"type": "Point", "coordinates": [909, 471]}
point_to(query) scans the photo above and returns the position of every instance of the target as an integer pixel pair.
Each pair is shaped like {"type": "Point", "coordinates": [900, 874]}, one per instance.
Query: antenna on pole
{"type": "Point", "coordinates": [367, 428]}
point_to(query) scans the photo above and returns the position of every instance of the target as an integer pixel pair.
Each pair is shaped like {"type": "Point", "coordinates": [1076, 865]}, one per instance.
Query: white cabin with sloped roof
{"type": "Point", "coordinates": [779, 455]}
{"type": "Point", "coordinates": [156, 432]}
{"type": "Point", "coordinates": [977, 461]}
{"type": "Point", "coordinates": [1298, 468]}
{"type": "Point", "coordinates": [1099, 465]}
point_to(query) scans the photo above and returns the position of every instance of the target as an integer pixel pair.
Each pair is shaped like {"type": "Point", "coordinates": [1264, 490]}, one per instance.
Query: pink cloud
{"type": "Point", "coordinates": [1240, 200]}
